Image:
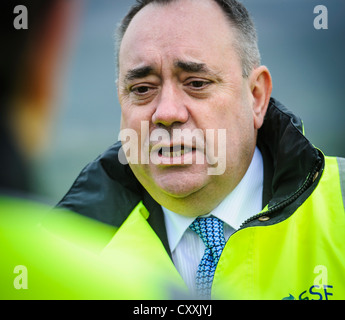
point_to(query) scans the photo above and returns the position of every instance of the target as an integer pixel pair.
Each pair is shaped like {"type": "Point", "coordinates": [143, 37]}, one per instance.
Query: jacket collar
{"type": "Point", "coordinates": [291, 162]}
{"type": "Point", "coordinates": [292, 155]}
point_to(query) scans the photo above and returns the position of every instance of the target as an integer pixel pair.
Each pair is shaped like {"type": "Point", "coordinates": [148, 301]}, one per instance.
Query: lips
{"type": "Point", "coordinates": [174, 154]}
{"type": "Point", "coordinates": [174, 151]}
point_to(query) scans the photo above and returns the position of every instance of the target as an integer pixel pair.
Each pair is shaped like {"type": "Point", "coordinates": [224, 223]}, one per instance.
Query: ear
{"type": "Point", "coordinates": [261, 89]}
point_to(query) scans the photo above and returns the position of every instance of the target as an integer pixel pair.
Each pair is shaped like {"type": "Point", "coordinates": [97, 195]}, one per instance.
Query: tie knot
{"type": "Point", "coordinates": [210, 230]}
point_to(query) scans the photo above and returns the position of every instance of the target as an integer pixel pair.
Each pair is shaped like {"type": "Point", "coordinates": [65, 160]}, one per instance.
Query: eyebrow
{"type": "Point", "coordinates": [190, 66]}
{"type": "Point", "coordinates": [138, 73]}
{"type": "Point", "coordinates": [187, 66]}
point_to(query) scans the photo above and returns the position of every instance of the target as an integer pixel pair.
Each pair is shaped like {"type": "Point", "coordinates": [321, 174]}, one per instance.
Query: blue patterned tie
{"type": "Point", "coordinates": [211, 232]}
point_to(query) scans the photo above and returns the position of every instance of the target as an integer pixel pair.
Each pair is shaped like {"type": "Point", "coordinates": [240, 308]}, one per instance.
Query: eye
{"type": "Point", "coordinates": [140, 90]}
{"type": "Point", "coordinates": [198, 84]}
{"type": "Point", "coordinates": [142, 93]}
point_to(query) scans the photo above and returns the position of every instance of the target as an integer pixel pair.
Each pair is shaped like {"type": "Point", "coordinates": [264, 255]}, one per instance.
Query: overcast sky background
{"type": "Point", "coordinates": [307, 66]}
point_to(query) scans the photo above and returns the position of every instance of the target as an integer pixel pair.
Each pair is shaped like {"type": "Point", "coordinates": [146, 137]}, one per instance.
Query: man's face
{"type": "Point", "coordinates": [178, 69]}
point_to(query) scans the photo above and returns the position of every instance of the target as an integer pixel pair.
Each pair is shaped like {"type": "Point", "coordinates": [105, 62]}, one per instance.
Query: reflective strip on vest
{"type": "Point", "coordinates": [341, 165]}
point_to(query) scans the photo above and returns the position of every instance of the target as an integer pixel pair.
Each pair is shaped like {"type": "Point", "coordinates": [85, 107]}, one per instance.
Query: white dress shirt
{"type": "Point", "coordinates": [243, 202]}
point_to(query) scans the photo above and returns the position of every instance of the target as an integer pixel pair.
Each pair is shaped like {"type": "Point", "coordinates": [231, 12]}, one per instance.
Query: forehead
{"type": "Point", "coordinates": [196, 29]}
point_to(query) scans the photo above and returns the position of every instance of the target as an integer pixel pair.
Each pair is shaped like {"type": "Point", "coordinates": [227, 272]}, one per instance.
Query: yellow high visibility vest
{"type": "Point", "coordinates": [302, 257]}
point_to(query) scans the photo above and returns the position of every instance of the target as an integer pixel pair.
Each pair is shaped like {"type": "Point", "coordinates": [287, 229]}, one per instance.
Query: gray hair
{"type": "Point", "coordinates": [246, 43]}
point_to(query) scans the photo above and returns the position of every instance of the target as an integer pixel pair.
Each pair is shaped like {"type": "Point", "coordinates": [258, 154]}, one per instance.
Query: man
{"type": "Point", "coordinates": [219, 173]}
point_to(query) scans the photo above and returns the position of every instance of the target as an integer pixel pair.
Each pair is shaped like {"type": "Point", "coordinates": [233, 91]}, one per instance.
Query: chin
{"type": "Point", "coordinates": [181, 188]}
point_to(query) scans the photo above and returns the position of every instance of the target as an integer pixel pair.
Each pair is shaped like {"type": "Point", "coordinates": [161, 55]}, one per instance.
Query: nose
{"type": "Point", "coordinates": [170, 108]}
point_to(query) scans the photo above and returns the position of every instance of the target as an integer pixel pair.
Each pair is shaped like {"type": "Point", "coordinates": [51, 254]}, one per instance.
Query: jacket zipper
{"type": "Point", "coordinates": [279, 206]}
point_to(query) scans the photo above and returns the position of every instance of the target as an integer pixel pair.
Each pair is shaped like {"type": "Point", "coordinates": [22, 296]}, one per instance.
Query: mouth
{"type": "Point", "coordinates": [174, 151]}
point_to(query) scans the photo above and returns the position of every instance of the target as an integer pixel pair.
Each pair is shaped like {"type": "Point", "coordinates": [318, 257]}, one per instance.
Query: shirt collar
{"type": "Point", "coordinates": [242, 203]}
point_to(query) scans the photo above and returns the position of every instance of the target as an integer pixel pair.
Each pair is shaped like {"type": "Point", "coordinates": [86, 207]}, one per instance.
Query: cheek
{"type": "Point", "coordinates": [132, 117]}
{"type": "Point", "coordinates": [241, 128]}
{"type": "Point", "coordinates": [135, 131]}
{"type": "Point", "coordinates": [237, 119]}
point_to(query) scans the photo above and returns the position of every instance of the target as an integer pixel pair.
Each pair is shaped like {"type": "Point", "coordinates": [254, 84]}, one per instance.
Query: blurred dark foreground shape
{"type": "Point", "coordinates": [49, 254]}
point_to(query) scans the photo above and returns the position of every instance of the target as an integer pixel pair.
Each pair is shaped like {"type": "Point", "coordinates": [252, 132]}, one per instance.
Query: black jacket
{"type": "Point", "coordinates": [108, 191]}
